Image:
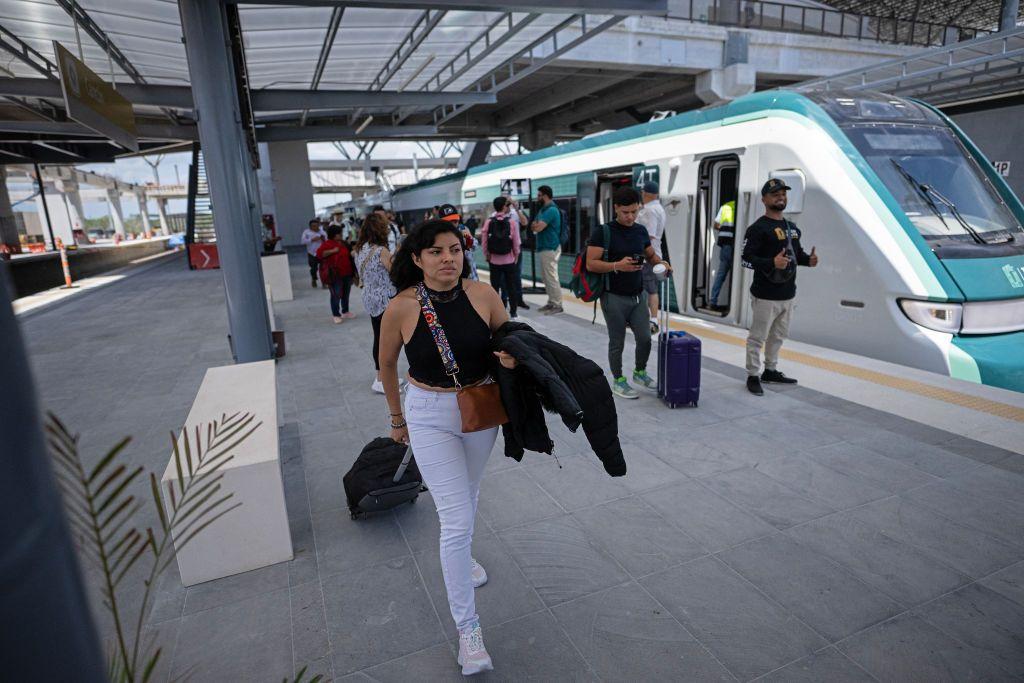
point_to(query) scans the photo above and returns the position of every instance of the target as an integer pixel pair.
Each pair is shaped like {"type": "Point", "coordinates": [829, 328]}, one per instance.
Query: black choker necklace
{"type": "Point", "coordinates": [446, 296]}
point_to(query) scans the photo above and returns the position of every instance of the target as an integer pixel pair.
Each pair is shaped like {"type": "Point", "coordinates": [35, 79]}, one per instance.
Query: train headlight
{"type": "Point", "coordinates": [993, 317]}
{"type": "Point", "coordinates": [935, 316]}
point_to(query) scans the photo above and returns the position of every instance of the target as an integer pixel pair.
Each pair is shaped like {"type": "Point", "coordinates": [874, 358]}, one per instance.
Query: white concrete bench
{"type": "Point", "coordinates": [255, 534]}
{"type": "Point", "coordinates": [277, 275]}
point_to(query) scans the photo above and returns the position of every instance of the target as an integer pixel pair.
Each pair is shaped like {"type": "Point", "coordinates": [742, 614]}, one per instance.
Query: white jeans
{"type": "Point", "coordinates": [452, 465]}
{"type": "Point", "coordinates": [769, 328]}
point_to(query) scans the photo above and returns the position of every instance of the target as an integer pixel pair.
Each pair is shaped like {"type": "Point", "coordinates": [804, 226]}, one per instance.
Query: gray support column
{"type": "Point", "coordinates": [48, 628]}
{"type": "Point", "coordinates": [228, 170]}
{"type": "Point", "coordinates": [1008, 14]}
{"type": "Point", "coordinates": [475, 154]}
{"type": "Point", "coordinates": [8, 226]}
{"type": "Point", "coordinates": [60, 222]}
{"type": "Point", "coordinates": [161, 210]}
{"type": "Point", "coordinates": [147, 226]}
{"type": "Point", "coordinates": [293, 189]}
{"type": "Point", "coordinates": [116, 213]}
{"type": "Point", "coordinates": [76, 212]}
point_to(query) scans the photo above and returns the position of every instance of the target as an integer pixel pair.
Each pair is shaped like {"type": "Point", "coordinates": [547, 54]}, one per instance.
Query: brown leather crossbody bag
{"type": "Point", "coordinates": [479, 404]}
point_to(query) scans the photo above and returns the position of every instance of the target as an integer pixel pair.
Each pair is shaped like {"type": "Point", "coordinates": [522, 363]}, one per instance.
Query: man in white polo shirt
{"type": "Point", "coordinates": [652, 217]}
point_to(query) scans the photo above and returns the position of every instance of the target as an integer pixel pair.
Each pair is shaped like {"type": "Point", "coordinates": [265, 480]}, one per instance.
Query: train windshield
{"type": "Point", "coordinates": [937, 182]}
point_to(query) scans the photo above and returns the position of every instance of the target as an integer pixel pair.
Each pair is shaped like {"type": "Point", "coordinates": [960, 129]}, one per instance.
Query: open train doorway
{"type": "Point", "coordinates": [609, 180]}
{"type": "Point", "coordinates": [715, 238]}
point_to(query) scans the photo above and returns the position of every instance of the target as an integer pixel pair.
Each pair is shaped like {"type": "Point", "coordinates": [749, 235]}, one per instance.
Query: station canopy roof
{"type": "Point", "coordinates": [318, 71]}
{"type": "Point", "coordinates": [315, 71]}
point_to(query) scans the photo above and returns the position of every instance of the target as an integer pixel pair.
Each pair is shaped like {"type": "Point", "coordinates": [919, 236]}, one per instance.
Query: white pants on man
{"type": "Point", "coordinates": [768, 329]}
{"type": "Point", "coordinates": [549, 270]}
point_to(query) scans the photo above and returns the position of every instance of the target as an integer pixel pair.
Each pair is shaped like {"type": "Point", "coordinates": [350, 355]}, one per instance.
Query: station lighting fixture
{"type": "Point", "coordinates": [364, 124]}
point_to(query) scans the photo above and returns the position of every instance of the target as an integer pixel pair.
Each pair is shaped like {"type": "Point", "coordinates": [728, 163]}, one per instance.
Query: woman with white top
{"type": "Point", "coordinates": [373, 262]}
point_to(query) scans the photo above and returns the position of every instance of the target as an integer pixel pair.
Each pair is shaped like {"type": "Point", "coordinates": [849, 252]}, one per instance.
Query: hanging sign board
{"type": "Point", "coordinates": [643, 174]}
{"type": "Point", "coordinates": [92, 102]}
{"type": "Point", "coordinates": [516, 188]}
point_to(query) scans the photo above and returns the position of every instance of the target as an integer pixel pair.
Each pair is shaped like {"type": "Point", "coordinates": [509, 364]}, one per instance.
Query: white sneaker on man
{"type": "Point", "coordinates": [378, 386]}
{"type": "Point", "coordinates": [478, 574]}
{"type": "Point", "coordinates": [473, 657]}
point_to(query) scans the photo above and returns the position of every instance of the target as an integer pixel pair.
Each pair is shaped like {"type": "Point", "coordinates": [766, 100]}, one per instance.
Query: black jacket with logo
{"type": "Point", "coordinates": [764, 239]}
{"type": "Point", "coordinates": [552, 376]}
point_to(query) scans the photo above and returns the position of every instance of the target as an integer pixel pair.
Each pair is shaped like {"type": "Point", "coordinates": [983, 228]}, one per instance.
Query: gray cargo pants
{"type": "Point", "coordinates": [620, 311]}
{"type": "Point", "coordinates": [769, 328]}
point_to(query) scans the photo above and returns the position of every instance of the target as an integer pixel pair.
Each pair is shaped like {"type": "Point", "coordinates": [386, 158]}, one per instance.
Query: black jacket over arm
{"type": "Point", "coordinates": [554, 377]}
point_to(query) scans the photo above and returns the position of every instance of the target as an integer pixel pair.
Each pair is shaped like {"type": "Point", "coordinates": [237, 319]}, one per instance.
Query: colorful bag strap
{"type": "Point", "coordinates": [451, 367]}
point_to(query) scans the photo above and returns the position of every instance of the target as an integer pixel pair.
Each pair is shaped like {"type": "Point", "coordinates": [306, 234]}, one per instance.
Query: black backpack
{"type": "Point", "coordinates": [499, 235]}
{"type": "Point", "coordinates": [383, 476]}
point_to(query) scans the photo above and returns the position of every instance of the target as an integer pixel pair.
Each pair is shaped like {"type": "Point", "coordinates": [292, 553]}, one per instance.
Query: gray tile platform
{"type": "Point", "coordinates": [795, 537]}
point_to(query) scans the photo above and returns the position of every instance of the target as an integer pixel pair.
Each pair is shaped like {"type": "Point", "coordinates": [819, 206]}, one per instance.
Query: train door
{"type": "Point", "coordinates": [716, 200]}
{"type": "Point", "coordinates": [608, 181]}
{"type": "Point", "coordinates": [586, 193]}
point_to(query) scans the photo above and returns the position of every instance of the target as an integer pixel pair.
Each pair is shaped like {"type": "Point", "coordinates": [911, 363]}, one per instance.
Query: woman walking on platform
{"type": "Point", "coordinates": [336, 272]}
{"type": "Point", "coordinates": [445, 322]}
{"type": "Point", "coordinates": [373, 262]}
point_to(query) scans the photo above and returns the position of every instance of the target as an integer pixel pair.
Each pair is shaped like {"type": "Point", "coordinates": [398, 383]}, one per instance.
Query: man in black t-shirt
{"type": "Point", "coordinates": [771, 247]}
{"type": "Point", "coordinates": [624, 302]}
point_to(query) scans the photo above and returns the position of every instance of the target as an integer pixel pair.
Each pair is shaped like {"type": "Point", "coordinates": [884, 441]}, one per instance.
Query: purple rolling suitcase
{"type": "Point", "coordinates": [678, 362]}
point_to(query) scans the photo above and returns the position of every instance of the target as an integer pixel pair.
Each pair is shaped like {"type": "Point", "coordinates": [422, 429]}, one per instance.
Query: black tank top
{"type": "Point", "coordinates": [468, 335]}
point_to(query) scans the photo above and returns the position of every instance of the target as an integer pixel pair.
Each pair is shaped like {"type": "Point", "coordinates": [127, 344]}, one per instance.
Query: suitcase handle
{"type": "Point", "coordinates": [405, 464]}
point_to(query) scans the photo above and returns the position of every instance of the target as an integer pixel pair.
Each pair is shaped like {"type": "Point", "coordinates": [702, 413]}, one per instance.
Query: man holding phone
{"type": "Point", "coordinates": [624, 301]}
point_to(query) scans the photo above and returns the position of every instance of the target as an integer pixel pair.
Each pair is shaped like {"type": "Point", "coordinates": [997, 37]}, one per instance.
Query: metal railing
{"type": "Point", "coordinates": [779, 16]}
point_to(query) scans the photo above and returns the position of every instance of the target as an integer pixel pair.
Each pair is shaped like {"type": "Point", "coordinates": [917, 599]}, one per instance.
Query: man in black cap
{"type": "Point", "coordinates": [771, 248]}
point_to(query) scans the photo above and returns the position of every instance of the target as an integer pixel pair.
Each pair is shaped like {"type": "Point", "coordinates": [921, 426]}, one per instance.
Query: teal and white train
{"type": "Point", "coordinates": [921, 244]}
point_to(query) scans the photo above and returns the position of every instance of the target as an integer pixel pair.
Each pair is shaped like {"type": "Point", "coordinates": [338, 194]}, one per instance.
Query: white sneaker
{"type": "Point", "coordinates": [473, 657]}
{"type": "Point", "coordinates": [378, 386]}
{"type": "Point", "coordinates": [478, 574]}
{"type": "Point", "coordinates": [514, 318]}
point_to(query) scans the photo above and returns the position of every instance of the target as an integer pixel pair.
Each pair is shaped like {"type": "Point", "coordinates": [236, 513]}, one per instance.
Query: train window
{"type": "Point", "coordinates": [937, 182]}
{"type": "Point", "coordinates": [715, 237]}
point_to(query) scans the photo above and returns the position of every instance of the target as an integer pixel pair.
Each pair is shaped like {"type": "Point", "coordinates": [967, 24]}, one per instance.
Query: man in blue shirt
{"type": "Point", "coordinates": [547, 226]}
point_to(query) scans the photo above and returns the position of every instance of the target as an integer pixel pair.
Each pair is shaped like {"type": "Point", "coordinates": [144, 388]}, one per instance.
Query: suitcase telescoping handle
{"type": "Point", "coordinates": [405, 463]}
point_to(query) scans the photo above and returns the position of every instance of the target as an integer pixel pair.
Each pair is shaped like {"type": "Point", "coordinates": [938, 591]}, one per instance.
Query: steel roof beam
{"type": "Point", "coordinates": [387, 164]}
{"type": "Point", "coordinates": [524, 63]}
{"type": "Point", "coordinates": [618, 7]}
{"type": "Point", "coordinates": [28, 55]}
{"type": "Point", "coordinates": [328, 133]}
{"type": "Point", "coordinates": [435, 83]}
{"type": "Point", "coordinates": [325, 53]}
{"type": "Point", "coordinates": [417, 34]}
{"type": "Point", "coordinates": [556, 95]}
{"type": "Point", "coordinates": [146, 131]}
{"type": "Point", "coordinates": [180, 97]}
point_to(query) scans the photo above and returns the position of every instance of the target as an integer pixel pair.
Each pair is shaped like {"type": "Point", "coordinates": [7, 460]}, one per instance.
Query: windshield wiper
{"type": "Point", "coordinates": [927, 192]}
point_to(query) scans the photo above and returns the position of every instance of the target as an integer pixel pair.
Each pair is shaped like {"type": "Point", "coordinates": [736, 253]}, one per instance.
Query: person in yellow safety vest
{"type": "Point", "coordinates": [725, 226]}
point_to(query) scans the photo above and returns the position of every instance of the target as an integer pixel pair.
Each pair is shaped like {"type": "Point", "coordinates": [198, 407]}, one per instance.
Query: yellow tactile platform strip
{"type": "Point", "coordinates": [983, 405]}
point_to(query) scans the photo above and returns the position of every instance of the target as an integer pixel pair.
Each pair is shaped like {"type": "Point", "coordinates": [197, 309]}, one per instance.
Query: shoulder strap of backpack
{"type": "Point", "coordinates": [606, 233]}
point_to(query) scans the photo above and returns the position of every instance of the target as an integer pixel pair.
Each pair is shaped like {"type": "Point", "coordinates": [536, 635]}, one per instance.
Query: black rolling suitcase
{"type": "Point", "coordinates": [383, 476]}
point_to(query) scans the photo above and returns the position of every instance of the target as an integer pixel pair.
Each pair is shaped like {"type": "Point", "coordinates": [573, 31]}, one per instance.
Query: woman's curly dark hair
{"type": "Point", "coordinates": [404, 271]}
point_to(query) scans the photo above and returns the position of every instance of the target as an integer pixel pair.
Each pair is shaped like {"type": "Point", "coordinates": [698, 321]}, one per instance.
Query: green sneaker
{"type": "Point", "coordinates": [642, 378]}
{"type": "Point", "coordinates": [622, 389]}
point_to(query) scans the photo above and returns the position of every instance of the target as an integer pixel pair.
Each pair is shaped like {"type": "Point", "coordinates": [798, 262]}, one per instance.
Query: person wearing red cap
{"type": "Point", "coordinates": [449, 213]}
